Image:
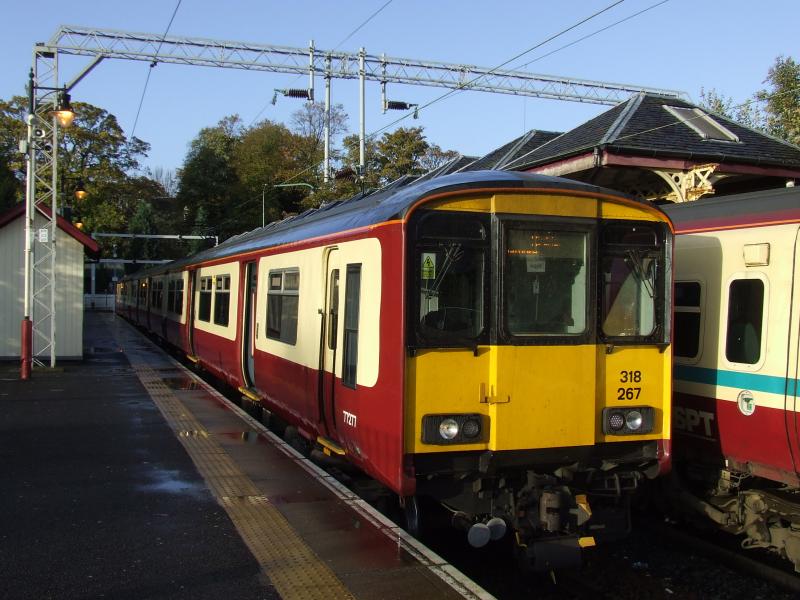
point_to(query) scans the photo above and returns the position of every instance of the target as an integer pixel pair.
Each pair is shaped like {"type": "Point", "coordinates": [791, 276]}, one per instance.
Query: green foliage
{"type": "Point", "coordinates": [10, 186]}
{"type": "Point", "coordinates": [12, 130]}
{"type": "Point", "coordinates": [775, 110]}
{"type": "Point", "coordinates": [782, 99]}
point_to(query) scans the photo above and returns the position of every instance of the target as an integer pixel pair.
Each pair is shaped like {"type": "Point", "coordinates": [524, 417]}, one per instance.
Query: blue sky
{"type": "Point", "coordinates": [682, 44]}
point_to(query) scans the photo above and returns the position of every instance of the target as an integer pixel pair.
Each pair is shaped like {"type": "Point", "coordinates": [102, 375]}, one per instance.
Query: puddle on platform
{"type": "Point", "coordinates": [168, 481]}
{"type": "Point", "coordinates": [181, 383]}
{"type": "Point", "coordinates": [249, 437]}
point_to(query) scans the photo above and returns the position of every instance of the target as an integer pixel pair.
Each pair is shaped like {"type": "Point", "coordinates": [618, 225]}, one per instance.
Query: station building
{"type": "Point", "coordinates": [72, 244]}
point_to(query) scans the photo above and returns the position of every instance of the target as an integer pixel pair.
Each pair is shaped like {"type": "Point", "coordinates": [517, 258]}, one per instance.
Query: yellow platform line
{"type": "Point", "coordinates": [293, 568]}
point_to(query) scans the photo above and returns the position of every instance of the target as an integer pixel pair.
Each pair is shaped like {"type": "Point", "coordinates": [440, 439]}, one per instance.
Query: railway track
{"type": "Point", "coordinates": [755, 563]}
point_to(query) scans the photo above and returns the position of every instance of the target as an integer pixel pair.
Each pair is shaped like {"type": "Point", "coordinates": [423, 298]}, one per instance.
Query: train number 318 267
{"type": "Point", "coordinates": [629, 393]}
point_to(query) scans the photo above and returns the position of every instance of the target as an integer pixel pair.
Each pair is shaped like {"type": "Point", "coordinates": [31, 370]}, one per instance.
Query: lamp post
{"type": "Point", "coordinates": [62, 115]}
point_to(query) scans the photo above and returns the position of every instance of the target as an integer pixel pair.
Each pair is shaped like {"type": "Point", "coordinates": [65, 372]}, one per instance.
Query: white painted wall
{"type": "Point", "coordinates": [69, 292]}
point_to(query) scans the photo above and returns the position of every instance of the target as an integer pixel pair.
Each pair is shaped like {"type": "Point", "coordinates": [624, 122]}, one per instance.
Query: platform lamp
{"type": "Point", "coordinates": [63, 116]}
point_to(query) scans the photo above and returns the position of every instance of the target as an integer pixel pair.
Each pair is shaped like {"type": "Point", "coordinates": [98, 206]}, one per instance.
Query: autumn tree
{"type": "Point", "coordinates": [774, 110]}
{"type": "Point", "coordinates": [782, 99]}
{"type": "Point", "coordinates": [208, 180]}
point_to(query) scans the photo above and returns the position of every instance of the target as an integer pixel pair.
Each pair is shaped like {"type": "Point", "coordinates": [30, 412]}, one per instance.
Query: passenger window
{"type": "Point", "coordinates": [333, 303]}
{"type": "Point", "coordinates": [178, 306]}
{"type": "Point", "coordinates": [171, 295]}
{"type": "Point", "coordinates": [687, 319]}
{"type": "Point", "coordinates": [283, 299]}
{"type": "Point", "coordinates": [745, 313]}
{"type": "Point", "coordinates": [352, 300]}
{"type": "Point", "coordinates": [204, 310]}
{"type": "Point", "coordinates": [222, 300]}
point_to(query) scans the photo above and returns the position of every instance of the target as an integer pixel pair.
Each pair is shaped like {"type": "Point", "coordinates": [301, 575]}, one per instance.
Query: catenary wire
{"type": "Point", "coordinates": [500, 66]}
{"type": "Point", "coordinates": [153, 64]}
{"type": "Point", "coordinates": [349, 35]}
{"type": "Point", "coordinates": [594, 33]}
{"type": "Point", "coordinates": [451, 92]}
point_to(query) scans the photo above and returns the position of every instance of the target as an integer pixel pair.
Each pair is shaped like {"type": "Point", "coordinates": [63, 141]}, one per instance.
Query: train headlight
{"type": "Point", "coordinates": [471, 428]}
{"type": "Point", "coordinates": [616, 421]}
{"type": "Point", "coordinates": [634, 420]}
{"type": "Point", "coordinates": [448, 429]}
{"type": "Point", "coordinates": [454, 429]}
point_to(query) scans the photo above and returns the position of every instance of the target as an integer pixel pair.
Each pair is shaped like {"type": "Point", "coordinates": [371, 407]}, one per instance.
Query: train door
{"type": "Point", "coordinates": [329, 335]}
{"type": "Point", "coordinates": [792, 400]}
{"type": "Point", "coordinates": [248, 323]}
{"type": "Point", "coordinates": [191, 310]}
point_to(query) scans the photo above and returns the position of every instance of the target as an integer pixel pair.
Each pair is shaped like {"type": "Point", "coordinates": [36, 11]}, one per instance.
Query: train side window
{"type": "Point", "coordinates": [222, 300]}
{"type": "Point", "coordinates": [171, 295]}
{"type": "Point", "coordinates": [204, 310]}
{"type": "Point", "coordinates": [178, 297]}
{"type": "Point", "coordinates": [352, 301]}
{"type": "Point", "coordinates": [283, 300]}
{"type": "Point", "coordinates": [745, 315]}
{"type": "Point", "coordinates": [687, 319]}
{"type": "Point", "coordinates": [333, 303]}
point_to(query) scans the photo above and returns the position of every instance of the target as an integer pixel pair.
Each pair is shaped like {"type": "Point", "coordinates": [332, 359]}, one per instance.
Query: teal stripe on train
{"type": "Point", "coordinates": [736, 379]}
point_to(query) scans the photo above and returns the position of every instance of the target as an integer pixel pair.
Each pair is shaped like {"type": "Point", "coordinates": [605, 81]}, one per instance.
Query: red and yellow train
{"type": "Point", "coordinates": [497, 341]}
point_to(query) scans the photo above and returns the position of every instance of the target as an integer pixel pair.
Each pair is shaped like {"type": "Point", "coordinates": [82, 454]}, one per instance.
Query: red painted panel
{"type": "Point", "coordinates": [712, 430]}
{"type": "Point", "coordinates": [219, 356]}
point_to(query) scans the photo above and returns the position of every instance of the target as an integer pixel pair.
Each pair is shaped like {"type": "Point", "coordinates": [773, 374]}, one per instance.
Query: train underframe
{"type": "Point", "coordinates": [554, 502]}
{"type": "Point", "coordinates": [764, 511]}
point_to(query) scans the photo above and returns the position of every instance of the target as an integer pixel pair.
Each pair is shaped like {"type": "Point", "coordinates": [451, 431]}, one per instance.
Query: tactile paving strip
{"type": "Point", "coordinates": [292, 567]}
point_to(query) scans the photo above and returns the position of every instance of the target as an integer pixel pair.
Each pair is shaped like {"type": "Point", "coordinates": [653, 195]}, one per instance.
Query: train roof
{"type": "Point", "coordinates": [768, 207]}
{"type": "Point", "coordinates": [387, 204]}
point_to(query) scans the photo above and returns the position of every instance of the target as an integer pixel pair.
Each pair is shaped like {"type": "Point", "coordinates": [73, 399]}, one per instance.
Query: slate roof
{"type": "Point", "coordinates": [500, 157]}
{"type": "Point", "coordinates": [641, 126]}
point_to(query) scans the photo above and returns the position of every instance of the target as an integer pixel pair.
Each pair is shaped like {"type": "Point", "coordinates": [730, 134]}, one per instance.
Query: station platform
{"type": "Point", "coordinates": [127, 476]}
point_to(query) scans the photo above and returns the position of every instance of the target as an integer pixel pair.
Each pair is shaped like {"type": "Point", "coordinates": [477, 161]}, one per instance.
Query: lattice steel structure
{"type": "Point", "coordinates": [148, 47]}
{"type": "Point", "coordinates": [41, 192]}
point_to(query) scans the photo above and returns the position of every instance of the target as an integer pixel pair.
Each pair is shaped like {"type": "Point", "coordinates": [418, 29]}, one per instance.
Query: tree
{"type": "Point", "coordinates": [783, 99]}
{"type": "Point", "coordinates": [400, 152]}
{"type": "Point", "coordinates": [167, 179]}
{"type": "Point", "coordinates": [267, 154]}
{"type": "Point", "coordinates": [12, 130]}
{"type": "Point", "coordinates": [746, 113]}
{"type": "Point", "coordinates": [435, 157]}
{"type": "Point", "coordinates": [207, 178]}
{"type": "Point", "coordinates": [144, 221]}
{"type": "Point", "coordinates": [775, 110]}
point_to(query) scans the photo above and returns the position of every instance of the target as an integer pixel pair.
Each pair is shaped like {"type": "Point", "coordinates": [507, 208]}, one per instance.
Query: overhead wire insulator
{"type": "Point", "coordinates": [297, 93]}
{"type": "Point", "coordinates": [397, 105]}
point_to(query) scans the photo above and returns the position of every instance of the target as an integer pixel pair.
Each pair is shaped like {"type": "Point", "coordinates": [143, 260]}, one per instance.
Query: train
{"type": "Point", "coordinates": [736, 346]}
{"type": "Point", "coordinates": [496, 342]}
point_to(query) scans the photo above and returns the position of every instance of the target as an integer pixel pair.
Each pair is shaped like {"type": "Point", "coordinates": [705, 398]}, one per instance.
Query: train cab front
{"type": "Point", "coordinates": [538, 368]}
